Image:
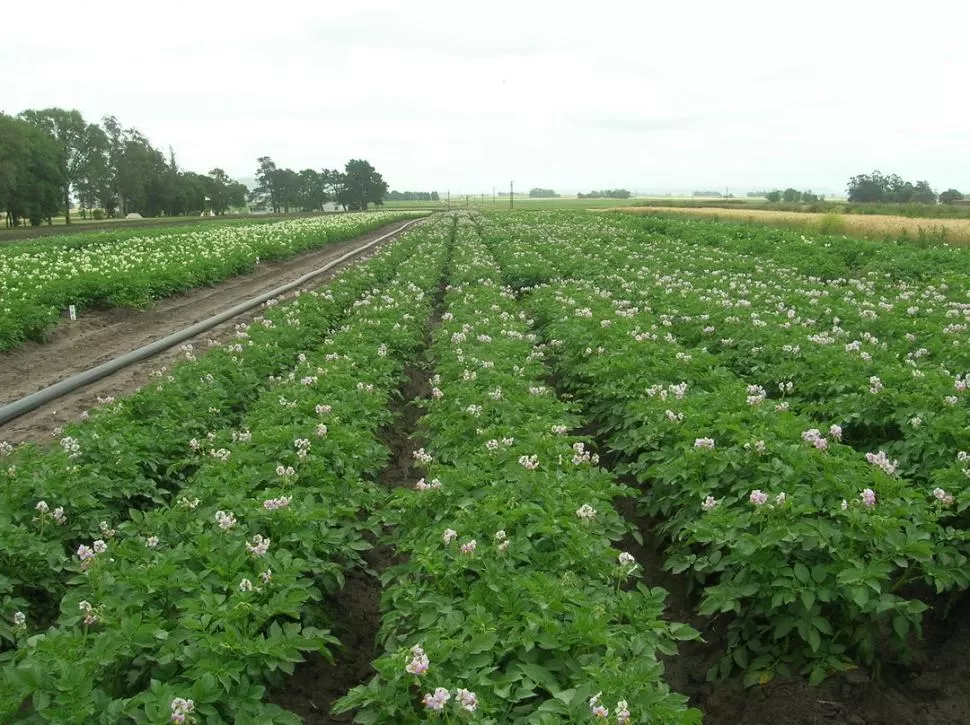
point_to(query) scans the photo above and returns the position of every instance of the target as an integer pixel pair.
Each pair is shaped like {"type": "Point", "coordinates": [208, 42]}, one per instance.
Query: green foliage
{"type": "Point", "coordinates": [39, 280]}
{"type": "Point", "coordinates": [538, 193]}
{"type": "Point", "coordinates": [950, 196]}
{"type": "Point", "coordinates": [31, 172]}
{"type": "Point", "coordinates": [878, 188]}
{"type": "Point", "coordinates": [195, 612]}
{"type": "Point", "coordinates": [539, 617]}
{"type": "Point", "coordinates": [677, 349]}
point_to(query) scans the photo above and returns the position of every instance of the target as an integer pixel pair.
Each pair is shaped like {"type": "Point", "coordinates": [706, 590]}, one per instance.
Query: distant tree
{"type": "Point", "coordinates": [951, 196]}
{"type": "Point", "coordinates": [434, 196]}
{"type": "Point", "coordinates": [538, 193]}
{"type": "Point", "coordinates": [923, 193]}
{"type": "Point", "coordinates": [773, 197]}
{"type": "Point", "coordinates": [877, 188]}
{"type": "Point", "coordinates": [94, 186]}
{"type": "Point", "coordinates": [808, 196]}
{"type": "Point", "coordinates": [868, 188]}
{"type": "Point", "coordinates": [269, 188]}
{"type": "Point", "coordinates": [790, 195]}
{"type": "Point", "coordinates": [312, 193]}
{"type": "Point", "coordinates": [362, 185]}
{"type": "Point", "coordinates": [76, 139]}
{"type": "Point", "coordinates": [31, 172]}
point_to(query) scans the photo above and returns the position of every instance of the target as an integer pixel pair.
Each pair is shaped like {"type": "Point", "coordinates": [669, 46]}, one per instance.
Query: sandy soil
{"type": "Point", "coordinates": [101, 335]}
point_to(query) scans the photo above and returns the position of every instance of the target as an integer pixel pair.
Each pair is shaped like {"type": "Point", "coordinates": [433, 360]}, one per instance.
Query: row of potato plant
{"type": "Point", "coordinates": [39, 281]}
{"type": "Point", "coordinates": [134, 453]}
{"type": "Point", "coordinates": [511, 604]}
{"type": "Point", "coordinates": [893, 344]}
{"type": "Point", "coordinates": [190, 609]}
{"type": "Point", "coordinates": [894, 349]}
{"type": "Point", "coordinates": [764, 506]}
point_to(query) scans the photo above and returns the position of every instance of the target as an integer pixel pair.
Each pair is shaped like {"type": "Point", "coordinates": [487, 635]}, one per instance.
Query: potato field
{"type": "Point", "coordinates": [504, 470]}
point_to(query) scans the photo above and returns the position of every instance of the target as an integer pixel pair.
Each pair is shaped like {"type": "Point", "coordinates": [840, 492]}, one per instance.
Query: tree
{"type": "Point", "coordinates": [868, 188]}
{"type": "Point", "coordinates": [76, 140]}
{"type": "Point", "coordinates": [312, 192]}
{"type": "Point", "coordinates": [31, 172]}
{"type": "Point", "coordinates": [876, 188]}
{"type": "Point", "coordinates": [269, 184]}
{"type": "Point", "coordinates": [94, 184]}
{"type": "Point", "coordinates": [773, 197]}
{"type": "Point", "coordinates": [362, 185]}
{"type": "Point", "coordinates": [790, 195]}
{"type": "Point", "coordinates": [923, 193]}
{"type": "Point", "coordinates": [538, 193]}
{"type": "Point", "coordinates": [951, 196]}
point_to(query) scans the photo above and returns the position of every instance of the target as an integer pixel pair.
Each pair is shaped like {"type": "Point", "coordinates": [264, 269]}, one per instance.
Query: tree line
{"type": "Point", "coordinates": [879, 188]}
{"type": "Point", "coordinates": [412, 196]}
{"type": "Point", "coordinates": [791, 195]}
{"type": "Point", "coordinates": [285, 190]}
{"type": "Point", "coordinates": [606, 194]}
{"type": "Point", "coordinates": [52, 157]}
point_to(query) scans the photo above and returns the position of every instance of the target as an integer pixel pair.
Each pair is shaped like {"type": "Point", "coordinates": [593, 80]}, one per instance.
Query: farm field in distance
{"type": "Point", "coordinates": [547, 466]}
{"type": "Point", "coordinates": [881, 227]}
{"type": "Point", "coordinates": [40, 279]}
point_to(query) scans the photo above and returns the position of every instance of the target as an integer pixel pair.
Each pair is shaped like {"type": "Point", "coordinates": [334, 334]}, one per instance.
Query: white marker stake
{"type": "Point", "coordinates": [72, 312]}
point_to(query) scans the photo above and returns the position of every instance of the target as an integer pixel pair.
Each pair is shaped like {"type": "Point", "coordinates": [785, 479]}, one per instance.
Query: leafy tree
{"type": "Point", "coordinates": [362, 185]}
{"type": "Point", "coordinates": [790, 195]}
{"type": "Point", "coordinates": [94, 184]}
{"type": "Point", "coordinates": [876, 188]}
{"type": "Point", "coordinates": [923, 193]}
{"type": "Point", "coordinates": [773, 196]}
{"type": "Point", "coordinates": [269, 184]}
{"type": "Point", "coordinates": [538, 193]}
{"type": "Point", "coordinates": [76, 139]}
{"type": "Point", "coordinates": [867, 188]}
{"type": "Point", "coordinates": [31, 172]}
{"type": "Point", "coordinates": [951, 196]}
{"type": "Point", "coordinates": [223, 192]}
{"type": "Point", "coordinates": [312, 191]}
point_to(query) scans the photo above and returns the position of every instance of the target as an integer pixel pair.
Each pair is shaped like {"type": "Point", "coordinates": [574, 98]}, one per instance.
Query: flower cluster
{"type": "Point", "coordinates": [581, 455]}
{"type": "Point", "coordinates": [273, 504]}
{"type": "Point", "coordinates": [529, 463]}
{"type": "Point", "coordinates": [258, 546]}
{"type": "Point", "coordinates": [881, 460]}
{"type": "Point", "coordinates": [90, 616]}
{"type": "Point", "coordinates": [418, 661]}
{"type": "Point", "coordinates": [422, 457]}
{"type": "Point", "coordinates": [225, 519]}
{"type": "Point", "coordinates": [422, 485]}
{"type": "Point", "coordinates": [182, 710]}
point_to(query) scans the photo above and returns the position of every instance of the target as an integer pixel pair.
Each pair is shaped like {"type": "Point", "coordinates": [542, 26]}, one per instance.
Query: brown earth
{"type": "Point", "coordinates": [101, 335]}
{"type": "Point", "coordinates": [355, 611]}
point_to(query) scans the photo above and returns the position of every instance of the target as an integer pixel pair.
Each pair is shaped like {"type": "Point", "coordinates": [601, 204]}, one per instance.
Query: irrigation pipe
{"type": "Point", "coordinates": [33, 401]}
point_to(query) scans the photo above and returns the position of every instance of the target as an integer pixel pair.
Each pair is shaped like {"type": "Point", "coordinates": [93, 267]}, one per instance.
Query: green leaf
{"type": "Point", "coordinates": [802, 573]}
{"type": "Point", "coordinates": [901, 626]}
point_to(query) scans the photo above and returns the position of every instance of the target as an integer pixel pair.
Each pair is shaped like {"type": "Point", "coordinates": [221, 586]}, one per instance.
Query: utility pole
{"type": "Point", "coordinates": [511, 194]}
{"type": "Point", "coordinates": [494, 202]}
{"type": "Point", "coordinates": [449, 201]}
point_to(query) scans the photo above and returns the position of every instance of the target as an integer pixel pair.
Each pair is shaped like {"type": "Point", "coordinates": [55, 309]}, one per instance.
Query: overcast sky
{"type": "Point", "coordinates": [568, 95]}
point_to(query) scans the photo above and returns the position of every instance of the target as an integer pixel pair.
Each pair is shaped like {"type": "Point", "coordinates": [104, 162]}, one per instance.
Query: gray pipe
{"type": "Point", "coordinates": [35, 400]}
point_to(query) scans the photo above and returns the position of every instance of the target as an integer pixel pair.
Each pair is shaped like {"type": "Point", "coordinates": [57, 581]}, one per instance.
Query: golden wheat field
{"type": "Point", "coordinates": [954, 231]}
